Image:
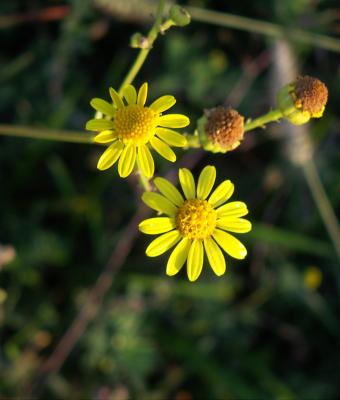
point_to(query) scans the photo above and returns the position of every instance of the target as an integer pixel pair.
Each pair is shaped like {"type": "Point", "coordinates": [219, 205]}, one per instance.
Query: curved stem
{"type": "Point", "coordinates": [264, 27]}
{"type": "Point", "coordinates": [46, 134]}
{"type": "Point", "coordinates": [323, 203]}
{"type": "Point", "coordinates": [135, 68]}
{"type": "Point", "coordinates": [273, 115]}
{"type": "Point", "coordinates": [143, 53]}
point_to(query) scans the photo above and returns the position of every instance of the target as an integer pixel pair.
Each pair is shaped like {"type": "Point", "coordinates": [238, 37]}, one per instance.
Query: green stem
{"type": "Point", "coordinates": [263, 27]}
{"type": "Point", "coordinates": [144, 181]}
{"type": "Point", "coordinates": [143, 53]}
{"type": "Point", "coordinates": [46, 134]}
{"type": "Point", "coordinates": [273, 115]}
{"type": "Point", "coordinates": [323, 203]}
{"type": "Point", "coordinates": [135, 68]}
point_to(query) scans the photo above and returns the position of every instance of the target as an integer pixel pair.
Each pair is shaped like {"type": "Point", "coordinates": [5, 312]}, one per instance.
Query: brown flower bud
{"type": "Point", "coordinates": [224, 128]}
{"type": "Point", "coordinates": [310, 95]}
{"type": "Point", "coordinates": [302, 100]}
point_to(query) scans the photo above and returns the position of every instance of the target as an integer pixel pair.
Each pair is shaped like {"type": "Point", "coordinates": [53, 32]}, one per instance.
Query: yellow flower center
{"type": "Point", "coordinates": [135, 124]}
{"type": "Point", "coordinates": [196, 219]}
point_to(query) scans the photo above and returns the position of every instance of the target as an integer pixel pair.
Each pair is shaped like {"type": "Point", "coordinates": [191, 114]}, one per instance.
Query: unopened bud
{"type": "Point", "coordinates": [138, 41]}
{"type": "Point", "coordinates": [179, 15]}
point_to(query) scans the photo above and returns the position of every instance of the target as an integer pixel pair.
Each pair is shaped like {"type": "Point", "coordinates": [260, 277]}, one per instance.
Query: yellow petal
{"type": "Point", "coordinates": [206, 181]}
{"type": "Point", "coordinates": [163, 149]}
{"type": "Point", "coordinates": [233, 209]}
{"type": "Point", "coordinates": [187, 182]}
{"type": "Point", "coordinates": [142, 94]}
{"type": "Point", "coordinates": [159, 203]}
{"type": "Point", "coordinates": [169, 191]}
{"type": "Point", "coordinates": [127, 161]}
{"type": "Point", "coordinates": [130, 94]}
{"type": "Point", "coordinates": [221, 194]}
{"type": "Point", "coordinates": [215, 256]}
{"type": "Point", "coordinates": [145, 161]}
{"type": "Point", "coordinates": [230, 244]}
{"type": "Point", "coordinates": [162, 243]}
{"type": "Point", "coordinates": [110, 155]}
{"type": "Point", "coordinates": [103, 106]}
{"type": "Point", "coordinates": [233, 224]}
{"type": "Point", "coordinates": [163, 103]}
{"type": "Point", "coordinates": [154, 226]}
{"type": "Point", "coordinates": [173, 121]}
{"type": "Point", "coordinates": [99, 125]}
{"type": "Point", "coordinates": [195, 260]}
{"type": "Point", "coordinates": [105, 137]}
{"type": "Point", "coordinates": [178, 257]}
{"type": "Point", "coordinates": [171, 137]}
{"type": "Point", "coordinates": [116, 98]}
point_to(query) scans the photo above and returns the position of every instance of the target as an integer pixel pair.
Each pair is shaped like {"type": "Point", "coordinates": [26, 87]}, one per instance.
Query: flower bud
{"type": "Point", "coordinates": [179, 15]}
{"type": "Point", "coordinates": [303, 99]}
{"type": "Point", "coordinates": [223, 129]}
{"type": "Point", "coordinates": [138, 41]}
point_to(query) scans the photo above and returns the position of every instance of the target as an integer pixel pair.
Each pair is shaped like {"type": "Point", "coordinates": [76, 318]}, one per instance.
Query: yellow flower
{"type": "Point", "coordinates": [131, 126]}
{"type": "Point", "coordinates": [196, 223]}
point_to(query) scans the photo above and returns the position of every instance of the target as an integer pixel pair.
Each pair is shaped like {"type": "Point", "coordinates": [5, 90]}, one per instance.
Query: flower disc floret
{"type": "Point", "coordinates": [196, 219]}
{"type": "Point", "coordinates": [135, 124]}
{"type": "Point", "coordinates": [195, 222]}
{"type": "Point", "coordinates": [129, 128]}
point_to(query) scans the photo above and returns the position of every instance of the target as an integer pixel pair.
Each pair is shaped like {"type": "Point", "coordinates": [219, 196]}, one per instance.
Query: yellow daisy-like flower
{"type": "Point", "coordinates": [131, 126]}
{"type": "Point", "coordinates": [195, 223]}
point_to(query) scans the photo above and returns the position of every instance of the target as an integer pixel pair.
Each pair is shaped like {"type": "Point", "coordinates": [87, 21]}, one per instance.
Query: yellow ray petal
{"type": "Point", "coordinates": [171, 137]}
{"type": "Point", "coordinates": [206, 181]}
{"type": "Point", "coordinates": [233, 224]}
{"type": "Point", "coordinates": [116, 98]}
{"type": "Point", "coordinates": [130, 94]}
{"type": "Point", "coordinates": [163, 103]}
{"type": "Point", "coordinates": [103, 106]}
{"type": "Point", "coordinates": [230, 244]}
{"type": "Point", "coordinates": [169, 191]}
{"type": "Point", "coordinates": [105, 137]}
{"type": "Point", "coordinates": [232, 209]}
{"type": "Point", "coordinates": [221, 194]}
{"type": "Point", "coordinates": [99, 125]}
{"type": "Point", "coordinates": [215, 256]}
{"type": "Point", "coordinates": [162, 243]}
{"type": "Point", "coordinates": [178, 257]}
{"type": "Point", "coordinates": [110, 155]}
{"type": "Point", "coordinates": [187, 182]}
{"type": "Point", "coordinates": [159, 203]}
{"type": "Point", "coordinates": [127, 161]}
{"type": "Point", "coordinates": [195, 260]}
{"type": "Point", "coordinates": [142, 94]}
{"type": "Point", "coordinates": [145, 161]}
{"type": "Point", "coordinates": [154, 226]}
{"type": "Point", "coordinates": [163, 149]}
{"type": "Point", "coordinates": [173, 121]}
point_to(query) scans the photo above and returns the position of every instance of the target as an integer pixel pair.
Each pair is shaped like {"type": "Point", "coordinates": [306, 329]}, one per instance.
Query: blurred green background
{"type": "Point", "coordinates": [269, 328]}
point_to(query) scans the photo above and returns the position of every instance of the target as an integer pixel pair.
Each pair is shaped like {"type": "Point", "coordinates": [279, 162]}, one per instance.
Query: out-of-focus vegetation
{"type": "Point", "coordinates": [267, 329]}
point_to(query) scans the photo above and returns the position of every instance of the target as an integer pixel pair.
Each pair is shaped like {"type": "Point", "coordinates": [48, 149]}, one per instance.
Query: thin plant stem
{"type": "Point", "coordinates": [273, 115]}
{"type": "Point", "coordinates": [46, 134]}
{"type": "Point", "coordinates": [143, 53]}
{"type": "Point", "coordinates": [137, 65]}
{"type": "Point", "coordinates": [263, 27]}
{"type": "Point", "coordinates": [323, 203]}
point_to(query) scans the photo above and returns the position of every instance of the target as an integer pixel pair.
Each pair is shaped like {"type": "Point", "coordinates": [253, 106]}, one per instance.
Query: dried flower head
{"type": "Point", "coordinates": [131, 127]}
{"type": "Point", "coordinates": [303, 99]}
{"type": "Point", "coordinates": [224, 127]}
{"type": "Point", "coordinates": [196, 223]}
{"type": "Point", "coordinates": [310, 95]}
